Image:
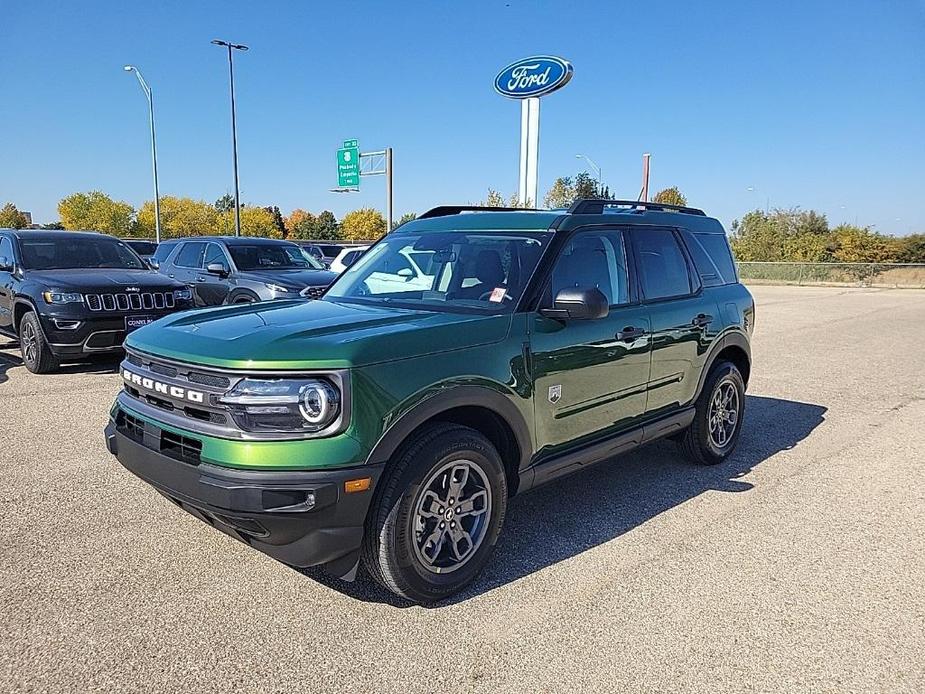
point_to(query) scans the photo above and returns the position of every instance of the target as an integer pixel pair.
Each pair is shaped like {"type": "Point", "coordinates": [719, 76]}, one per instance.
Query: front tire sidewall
{"type": "Point", "coordinates": [397, 556]}
{"type": "Point", "coordinates": [44, 360]}
{"type": "Point", "coordinates": [697, 442]}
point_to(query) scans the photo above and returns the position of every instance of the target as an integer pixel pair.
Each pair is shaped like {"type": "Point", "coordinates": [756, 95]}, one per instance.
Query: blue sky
{"type": "Point", "coordinates": [814, 104]}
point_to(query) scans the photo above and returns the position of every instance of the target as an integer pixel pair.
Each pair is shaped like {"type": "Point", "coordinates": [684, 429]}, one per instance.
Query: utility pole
{"type": "Point", "coordinates": [388, 190]}
{"type": "Point", "coordinates": [644, 193]}
{"type": "Point", "coordinates": [234, 130]}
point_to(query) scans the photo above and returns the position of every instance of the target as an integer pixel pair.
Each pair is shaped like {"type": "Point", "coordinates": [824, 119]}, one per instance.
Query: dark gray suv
{"type": "Point", "coordinates": [238, 270]}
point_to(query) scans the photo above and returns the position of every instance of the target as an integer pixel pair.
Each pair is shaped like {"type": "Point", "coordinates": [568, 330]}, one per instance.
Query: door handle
{"type": "Point", "coordinates": [200, 279]}
{"type": "Point", "coordinates": [701, 320]}
{"type": "Point", "coordinates": [629, 334]}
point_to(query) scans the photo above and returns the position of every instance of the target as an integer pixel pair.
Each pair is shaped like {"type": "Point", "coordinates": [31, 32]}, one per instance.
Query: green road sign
{"type": "Point", "coordinates": [348, 165]}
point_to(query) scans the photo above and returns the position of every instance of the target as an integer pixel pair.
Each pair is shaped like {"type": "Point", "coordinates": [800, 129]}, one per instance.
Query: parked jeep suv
{"type": "Point", "coordinates": [242, 270]}
{"type": "Point", "coordinates": [72, 294]}
{"type": "Point", "coordinates": [389, 423]}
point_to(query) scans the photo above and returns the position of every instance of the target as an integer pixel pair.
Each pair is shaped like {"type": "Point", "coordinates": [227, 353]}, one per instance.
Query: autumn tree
{"type": "Point", "coordinates": [493, 199]}
{"type": "Point", "coordinates": [180, 217]}
{"type": "Point", "coordinates": [670, 196]}
{"type": "Point", "coordinates": [305, 225]}
{"type": "Point", "coordinates": [278, 221]}
{"type": "Point", "coordinates": [258, 221]}
{"type": "Point", "coordinates": [12, 218]}
{"type": "Point", "coordinates": [96, 211]}
{"type": "Point", "coordinates": [364, 224]}
{"type": "Point", "coordinates": [561, 194]}
{"type": "Point", "coordinates": [225, 203]}
{"type": "Point", "coordinates": [407, 217]}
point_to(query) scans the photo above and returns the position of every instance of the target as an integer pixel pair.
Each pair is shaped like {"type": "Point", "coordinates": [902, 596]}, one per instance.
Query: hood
{"type": "Point", "coordinates": [313, 334]}
{"type": "Point", "coordinates": [82, 279]}
{"type": "Point", "coordinates": [298, 279]}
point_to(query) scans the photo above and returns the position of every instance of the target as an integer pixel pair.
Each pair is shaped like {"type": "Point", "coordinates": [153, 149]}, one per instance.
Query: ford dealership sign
{"type": "Point", "coordinates": [534, 76]}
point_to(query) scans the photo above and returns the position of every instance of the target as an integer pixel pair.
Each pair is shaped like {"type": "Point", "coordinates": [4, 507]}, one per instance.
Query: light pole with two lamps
{"type": "Point", "coordinates": [234, 130]}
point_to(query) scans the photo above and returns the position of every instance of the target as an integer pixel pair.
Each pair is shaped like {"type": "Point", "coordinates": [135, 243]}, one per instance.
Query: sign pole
{"type": "Point", "coordinates": [529, 150]}
{"type": "Point", "coordinates": [388, 189]}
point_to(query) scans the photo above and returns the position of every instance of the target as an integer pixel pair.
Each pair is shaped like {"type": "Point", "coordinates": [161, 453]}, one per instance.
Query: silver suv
{"type": "Point", "coordinates": [238, 270]}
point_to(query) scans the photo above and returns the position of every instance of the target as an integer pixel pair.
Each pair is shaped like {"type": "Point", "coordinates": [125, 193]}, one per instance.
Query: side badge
{"type": "Point", "coordinates": [555, 393]}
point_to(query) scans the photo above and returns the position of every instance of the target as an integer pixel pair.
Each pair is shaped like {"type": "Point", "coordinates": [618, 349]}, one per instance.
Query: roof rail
{"type": "Point", "coordinates": [595, 206]}
{"type": "Point", "coordinates": [446, 210]}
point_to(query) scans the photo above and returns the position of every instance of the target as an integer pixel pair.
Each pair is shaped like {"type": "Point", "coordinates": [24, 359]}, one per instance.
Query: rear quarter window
{"type": "Point", "coordinates": [712, 258]}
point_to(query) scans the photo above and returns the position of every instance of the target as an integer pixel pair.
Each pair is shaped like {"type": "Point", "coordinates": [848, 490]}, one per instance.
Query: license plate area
{"type": "Point", "coordinates": [135, 322]}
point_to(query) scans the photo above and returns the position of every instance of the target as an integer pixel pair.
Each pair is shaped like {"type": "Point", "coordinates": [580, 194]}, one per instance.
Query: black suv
{"type": "Point", "coordinates": [70, 294]}
{"type": "Point", "coordinates": [242, 270]}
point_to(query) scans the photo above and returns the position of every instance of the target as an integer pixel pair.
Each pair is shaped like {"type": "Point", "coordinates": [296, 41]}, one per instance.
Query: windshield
{"type": "Point", "coordinates": [467, 271]}
{"type": "Point", "coordinates": [69, 252]}
{"type": "Point", "coordinates": [265, 256]}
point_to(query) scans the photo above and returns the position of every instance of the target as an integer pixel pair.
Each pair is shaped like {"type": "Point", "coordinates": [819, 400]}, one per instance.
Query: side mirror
{"type": "Point", "coordinates": [153, 263]}
{"type": "Point", "coordinates": [577, 303]}
{"type": "Point", "coordinates": [217, 269]}
{"type": "Point", "coordinates": [6, 265]}
{"type": "Point", "coordinates": [405, 272]}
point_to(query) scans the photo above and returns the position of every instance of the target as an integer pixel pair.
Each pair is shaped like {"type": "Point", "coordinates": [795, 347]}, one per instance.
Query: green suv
{"type": "Point", "coordinates": [470, 355]}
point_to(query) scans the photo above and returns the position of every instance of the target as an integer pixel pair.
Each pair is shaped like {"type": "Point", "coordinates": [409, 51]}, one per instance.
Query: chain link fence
{"type": "Point", "coordinates": [904, 275]}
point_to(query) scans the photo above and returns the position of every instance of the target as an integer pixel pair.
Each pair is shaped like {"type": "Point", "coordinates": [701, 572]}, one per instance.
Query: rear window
{"type": "Point", "coordinates": [662, 266]}
{"type": "Point", "coordinates": [712, 258]}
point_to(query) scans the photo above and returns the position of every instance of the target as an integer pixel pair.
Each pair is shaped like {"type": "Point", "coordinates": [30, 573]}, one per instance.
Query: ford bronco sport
{"type": "Point", "coordinates": [387, 423]}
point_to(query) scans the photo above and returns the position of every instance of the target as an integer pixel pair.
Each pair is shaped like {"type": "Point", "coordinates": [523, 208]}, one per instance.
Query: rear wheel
{"type": "Point", "coordinates": [36, 354]}
{"type": "Point", "coordinates": [714, 433]}
{"type": "Point", "coordinates": [438, 514]}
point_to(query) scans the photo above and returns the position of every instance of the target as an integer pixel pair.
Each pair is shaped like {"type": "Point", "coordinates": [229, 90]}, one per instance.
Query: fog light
{"type": "Point", "coordinates": [67, 324]}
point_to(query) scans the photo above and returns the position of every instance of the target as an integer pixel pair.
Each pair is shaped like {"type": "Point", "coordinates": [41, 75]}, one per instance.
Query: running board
{"type": "Point", "coordinates": [599, 451]}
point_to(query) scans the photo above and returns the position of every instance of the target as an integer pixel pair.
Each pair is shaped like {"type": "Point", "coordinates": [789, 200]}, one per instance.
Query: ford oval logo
{"type": "Point", "coordinates": [534, 76]}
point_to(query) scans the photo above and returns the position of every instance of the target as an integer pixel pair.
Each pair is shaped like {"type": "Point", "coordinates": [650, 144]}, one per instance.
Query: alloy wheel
{"type": "Point", "coordinates": [451, 516]}
{"type": "Point", "coordinates": [724, 413]}
{"type": "Point", "coordinates": [29, 342]}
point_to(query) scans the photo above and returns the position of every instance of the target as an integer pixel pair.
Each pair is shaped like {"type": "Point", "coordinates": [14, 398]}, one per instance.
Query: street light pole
{"type": "Point", "coordinates": [600, 176]}
{"type": "Point", "coordinates": [157, 203]}
{"type": "Point", "coordinates": [234, 131]}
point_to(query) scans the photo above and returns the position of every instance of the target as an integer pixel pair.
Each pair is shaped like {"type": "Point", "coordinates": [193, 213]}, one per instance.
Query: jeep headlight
{"type": "Point", "coordinates": [284, 405]}
{"type": "Point", "coordinates": [63, 297]}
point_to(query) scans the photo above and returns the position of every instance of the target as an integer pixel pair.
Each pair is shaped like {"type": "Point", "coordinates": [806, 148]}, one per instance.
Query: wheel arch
{"type": "Point", "coordinates": [22, 306]}
{"type": "Point", "coordinates": [733, 347]}
{"type": "Point", "coordinates": [238, 292]}
{"type": "Point", "coordinates": [483, 409]}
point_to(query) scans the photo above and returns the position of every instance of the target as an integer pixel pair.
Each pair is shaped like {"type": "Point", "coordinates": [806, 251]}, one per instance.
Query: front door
{"type": "Point", "coordinates": [589, 375]}
{"type": "Point", "coordinates": [187, 266]}
{"type": "Point", "coordinates": [213, 288]}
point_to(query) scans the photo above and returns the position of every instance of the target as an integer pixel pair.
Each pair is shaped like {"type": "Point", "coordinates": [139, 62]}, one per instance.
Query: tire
{"type": "Point", "coordinates": [242, 298]}
{"type": "Point", "coordinates": [409, 546]}
{"type": "Point", "coordinates": [36, 354]}
{"type": "Point", "coordinates": [703, 444]}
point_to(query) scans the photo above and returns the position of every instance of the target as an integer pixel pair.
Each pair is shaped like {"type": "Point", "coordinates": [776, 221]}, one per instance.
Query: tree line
{"type": "Point", "coordinates": [795, 235]}
{"type": "Point", "coordinates": [182, 216]}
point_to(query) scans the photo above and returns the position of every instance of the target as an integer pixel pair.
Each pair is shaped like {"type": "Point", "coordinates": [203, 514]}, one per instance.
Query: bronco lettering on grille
{"type": "Point", "coordinates": [162, 388]}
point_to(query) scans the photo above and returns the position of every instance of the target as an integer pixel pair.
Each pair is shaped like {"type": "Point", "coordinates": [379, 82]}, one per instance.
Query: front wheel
{"type": "Point", "coordinates": [714, 433]}
{"type": "Point", "coordinates": [438, 514]}
{"type": "Point", "coordinates": [36, 354]}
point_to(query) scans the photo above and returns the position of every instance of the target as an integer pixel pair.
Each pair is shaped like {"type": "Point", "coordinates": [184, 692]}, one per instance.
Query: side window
{"type": "Point", "coordinates": [662, 265]}
{"type": "Point", "coordinates": [163, 252]}
{"type": "Point", "coordinates": [6, 248]}
{"type": "Point", "coordinates": [190, 255]}
{"type": "Point", "coordinates": [712, 258]}
{"type": "Point", "coordinates": [592, 259]}
{"type": "Point", "coordinates": [215, 254]}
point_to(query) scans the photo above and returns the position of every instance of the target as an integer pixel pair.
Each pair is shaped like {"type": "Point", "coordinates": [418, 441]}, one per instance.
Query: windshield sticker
{"type": "Point", "coordinates": [497, 294]}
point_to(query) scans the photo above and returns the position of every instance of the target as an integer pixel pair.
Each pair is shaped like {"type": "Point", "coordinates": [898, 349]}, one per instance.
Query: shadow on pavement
{"type": "Point", "coordinates": [603, 502]}
{"type": "Point", "coordinates": [95, 365]}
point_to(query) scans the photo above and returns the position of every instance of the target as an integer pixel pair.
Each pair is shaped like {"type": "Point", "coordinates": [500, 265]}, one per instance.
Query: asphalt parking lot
{"type": "Point", "coordinates": [797, 565]}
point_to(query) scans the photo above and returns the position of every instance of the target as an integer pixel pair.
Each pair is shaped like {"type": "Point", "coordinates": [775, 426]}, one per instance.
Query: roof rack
{"type": "Point", "coordinates": [594, 206]}
{"type": "Point", "coordinates": [446, 210]}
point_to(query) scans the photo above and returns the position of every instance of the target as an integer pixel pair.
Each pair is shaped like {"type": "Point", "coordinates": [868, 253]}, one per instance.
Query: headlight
{"type": "Point", "coordinates": [63, 297]}
{"type": "Point", "coordinates": [296, 405]}
{"type": "Point", "coordinates": [276, 288]}
{"type": "Point", "coordinates": [183, 294]}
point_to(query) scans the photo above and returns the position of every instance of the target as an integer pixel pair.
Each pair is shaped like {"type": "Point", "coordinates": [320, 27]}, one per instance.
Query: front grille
{"type": "Point", "coordinates": [205, 379]}
{"type": "Point", "coordinates": [129, 302]}
{"type": "Point", "coordinates": [313, 292]}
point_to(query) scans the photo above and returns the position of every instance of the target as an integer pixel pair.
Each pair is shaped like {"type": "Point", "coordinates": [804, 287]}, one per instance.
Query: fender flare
{"type": "Point", "coordinates": [456, 396]}
{"type": "Point", "coordinates": [731, 338]}
{"type": "Point", "coordinates": [28, 302]}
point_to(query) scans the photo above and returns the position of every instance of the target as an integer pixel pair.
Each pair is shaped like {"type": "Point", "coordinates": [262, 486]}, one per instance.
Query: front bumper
{"type": "Point", "coordinates": [90, 333]}
{"type": "Point", "coordinates": [301, 518]}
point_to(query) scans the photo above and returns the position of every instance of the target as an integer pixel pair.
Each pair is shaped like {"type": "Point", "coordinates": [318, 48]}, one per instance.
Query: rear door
{"type": "Point", "coordinates": [590, 375]}
{"type": "Point", "coordinates": [683, 325]}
